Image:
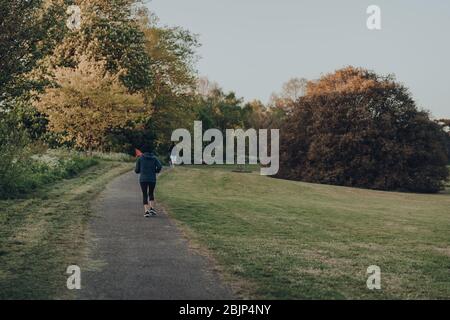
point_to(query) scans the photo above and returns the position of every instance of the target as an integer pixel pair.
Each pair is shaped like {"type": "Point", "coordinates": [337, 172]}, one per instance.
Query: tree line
{"type": "Point", "coordinates": [121, 80]}
{"type": "Point", "coordinates": [118, 81]}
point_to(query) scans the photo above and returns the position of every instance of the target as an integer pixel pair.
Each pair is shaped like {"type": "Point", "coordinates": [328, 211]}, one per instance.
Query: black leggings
{"type": "Point", "coordinates": [148, 189]}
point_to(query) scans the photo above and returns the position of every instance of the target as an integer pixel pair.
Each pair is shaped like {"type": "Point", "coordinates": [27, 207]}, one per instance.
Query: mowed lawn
{"type": "Point", "coordinates": [281, 239]}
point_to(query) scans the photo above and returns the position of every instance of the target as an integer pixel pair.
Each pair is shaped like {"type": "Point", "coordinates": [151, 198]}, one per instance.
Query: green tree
{"type": "Point", "coordinates": [28, 31]}
{"type": "Point", "coordinates": [172, 53]}
{"type": "Point", "coordinates": [445, 123]}
{"type": "Point", "coordinates": [109, 31]}
{"type": "Point", "coordinates": [221, 110]}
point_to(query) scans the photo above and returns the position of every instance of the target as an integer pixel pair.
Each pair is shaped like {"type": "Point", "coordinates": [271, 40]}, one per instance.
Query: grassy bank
{"type": "Point", "coordinates": [30, 173]}
{"type": "Point", "coordinates": [44, 233]}
{"type": "Point", "coordinates": [36, 171]}
{"type": "Point", "coordinates": [284, 239]}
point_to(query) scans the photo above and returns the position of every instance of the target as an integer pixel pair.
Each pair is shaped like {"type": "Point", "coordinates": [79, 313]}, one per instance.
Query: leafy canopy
{"type": "Point", "coordinates": [356, 128]}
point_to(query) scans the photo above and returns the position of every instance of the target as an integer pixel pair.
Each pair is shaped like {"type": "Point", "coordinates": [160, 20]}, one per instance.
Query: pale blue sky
{"type": "Point", "coordinates": [253, 46]}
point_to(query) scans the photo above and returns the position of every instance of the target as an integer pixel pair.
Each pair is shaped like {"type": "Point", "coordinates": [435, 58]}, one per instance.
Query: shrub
{"type": "Point", "coordinates": [41, 170]}
{"type": "Point", "coordinates": [355, 128]}
{"type": "Point", "coordinates": [113, 156]}
{"type": "Point", "coordinates": [14, 155]}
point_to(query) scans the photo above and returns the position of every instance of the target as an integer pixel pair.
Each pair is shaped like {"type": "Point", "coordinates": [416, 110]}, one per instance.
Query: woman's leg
{"type": "Point", "coordinates": [151, 193]}
{"type": "Point", "coordinates": [144, 188]}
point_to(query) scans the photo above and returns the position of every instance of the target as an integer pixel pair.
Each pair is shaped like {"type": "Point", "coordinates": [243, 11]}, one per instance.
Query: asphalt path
{"type": "Point", "coordinates": [132, 257]}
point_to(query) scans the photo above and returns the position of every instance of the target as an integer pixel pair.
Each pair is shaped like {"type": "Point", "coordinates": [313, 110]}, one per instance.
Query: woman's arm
{"type": "Point", "coordinates": [137, 169]}
{"type": "Point", "coordinates": [158, 166]}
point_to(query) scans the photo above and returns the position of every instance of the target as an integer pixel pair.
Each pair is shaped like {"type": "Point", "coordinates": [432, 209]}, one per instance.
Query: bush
{"type": "Point", "coordinates": [40, 170]}
{"type": "Point", "coordinates": [113, 156]}
{"type": "Point", "coordinates": [14, 155]}
{"type": "Point", "coordinates": [44, 173]}
{"type": "Point", "coordinates": [355, 128]}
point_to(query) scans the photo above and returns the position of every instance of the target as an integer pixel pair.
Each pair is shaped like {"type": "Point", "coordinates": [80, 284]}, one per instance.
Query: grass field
{"type": "Point", "coordinates": [283, 239]}
{"type": "Point", "coordinates": [45, 232]}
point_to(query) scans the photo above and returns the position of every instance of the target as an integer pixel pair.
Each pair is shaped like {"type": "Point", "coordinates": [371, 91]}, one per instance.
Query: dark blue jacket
{"type": "Point", "coordinates": [147, 166]}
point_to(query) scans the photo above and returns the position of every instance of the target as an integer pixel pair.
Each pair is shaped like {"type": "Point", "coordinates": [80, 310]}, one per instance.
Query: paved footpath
{"type": "Point", "coordinates": [132, 257]}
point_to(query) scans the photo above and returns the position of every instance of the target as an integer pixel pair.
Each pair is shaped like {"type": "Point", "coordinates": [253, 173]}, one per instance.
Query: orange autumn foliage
{"type": "Point", "coordinates": [356, 128]}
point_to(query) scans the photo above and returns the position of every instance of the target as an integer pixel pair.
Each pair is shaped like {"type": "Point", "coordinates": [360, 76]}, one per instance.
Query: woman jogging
{"type": "Point", "coordinates": [147, 165]}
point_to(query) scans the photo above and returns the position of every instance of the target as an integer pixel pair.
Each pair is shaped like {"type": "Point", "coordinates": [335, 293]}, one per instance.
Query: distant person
{"type": "Point", "coordinates": [173, 155]}
{"type": "Point", "coordinates": [147, 165]}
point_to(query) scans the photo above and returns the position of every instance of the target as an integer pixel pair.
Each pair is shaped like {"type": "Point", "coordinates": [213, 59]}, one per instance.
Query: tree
{"type": "Point", "coordinates": [445, 123]}
{"type": "Point", "coordinates": [356, 128]}
{"type": "Point", "coordinates": [28, 31]}
{"type": "Point", "coordinates": [110, 32]}
{"type": "Point", "coordinates": [86, 102]}
{"type": "Point", "coordinates": [254, 115]}
{"type": "Point", "coordinates": [206, 87]}
{"type": "Point", "coordinates": [172, 53]}
{"type": "Point", "coordinates": [221, 111]}
{"type": "Point", "coordinates": [258, 116]}
{"type": "Point", "coordinates": [290, 93]}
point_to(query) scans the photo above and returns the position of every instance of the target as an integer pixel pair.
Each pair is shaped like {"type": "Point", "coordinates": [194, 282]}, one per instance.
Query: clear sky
{"type": "Point", "coordinates": [253, 46]}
